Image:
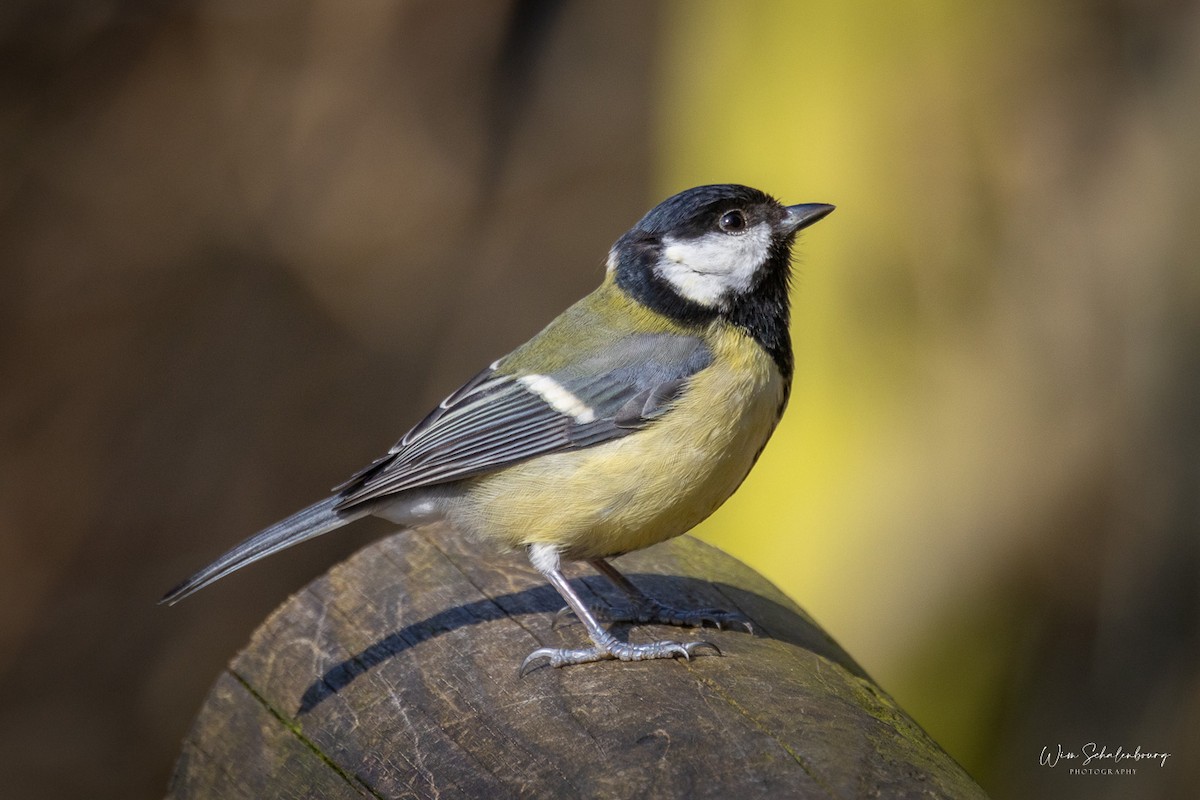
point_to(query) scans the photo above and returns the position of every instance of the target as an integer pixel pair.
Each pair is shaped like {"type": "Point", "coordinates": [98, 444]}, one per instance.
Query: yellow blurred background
{"type": "Point", "coordinates": [245, 245]}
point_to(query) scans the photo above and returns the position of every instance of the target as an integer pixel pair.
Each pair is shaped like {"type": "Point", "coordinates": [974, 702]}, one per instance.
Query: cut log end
{"type": "Point", "coordinates": [396, 675]}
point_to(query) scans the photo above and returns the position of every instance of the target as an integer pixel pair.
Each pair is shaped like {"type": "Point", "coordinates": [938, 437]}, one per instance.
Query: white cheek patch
{"type": "Point", "coordinates": [708, 269]}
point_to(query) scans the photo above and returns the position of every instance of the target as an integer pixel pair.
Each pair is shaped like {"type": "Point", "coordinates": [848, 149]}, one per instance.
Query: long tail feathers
{"type": "Point", "coordinates": [312, 521]}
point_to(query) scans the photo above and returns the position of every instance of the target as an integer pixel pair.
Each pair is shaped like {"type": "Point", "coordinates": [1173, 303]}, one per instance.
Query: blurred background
{"type": "Point", "coordinates": [245, 245]}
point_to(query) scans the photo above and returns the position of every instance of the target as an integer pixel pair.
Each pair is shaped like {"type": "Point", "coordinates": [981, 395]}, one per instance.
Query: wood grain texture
{"type": "Point", "coordinates": [395, 675]}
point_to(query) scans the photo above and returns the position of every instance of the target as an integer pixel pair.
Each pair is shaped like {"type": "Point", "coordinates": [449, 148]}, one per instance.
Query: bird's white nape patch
{"type": "Point", "coordinates": [710, 268]}
{"type": "Point", "coordinates": [558, 397]}
{"type": "Point", "coordinates": [611, 264]}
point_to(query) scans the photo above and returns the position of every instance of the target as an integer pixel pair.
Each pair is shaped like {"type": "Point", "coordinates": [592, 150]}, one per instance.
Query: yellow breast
{"type": "Point", "coordinates": [649, 486]}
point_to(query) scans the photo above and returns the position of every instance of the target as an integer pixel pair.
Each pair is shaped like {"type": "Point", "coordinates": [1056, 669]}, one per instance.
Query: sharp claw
{"type": "Point", "coordinates": [730, 624]}
{"type": "Point", "coordinates": [560, 617]}
{"type": "Point", "coordinates": [702, 643]}
{"type": "Point", "coordinates": [544, 652]}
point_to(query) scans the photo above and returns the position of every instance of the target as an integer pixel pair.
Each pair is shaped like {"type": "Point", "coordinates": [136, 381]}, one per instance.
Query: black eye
{"type": "Point", "coordinates": [732, 221]}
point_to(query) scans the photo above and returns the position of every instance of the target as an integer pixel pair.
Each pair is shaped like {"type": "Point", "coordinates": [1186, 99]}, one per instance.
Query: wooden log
{"type": "Point", "coordinates": [396, 675]}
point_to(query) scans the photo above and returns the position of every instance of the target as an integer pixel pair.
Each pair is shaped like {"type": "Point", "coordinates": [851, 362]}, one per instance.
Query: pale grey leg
{"type": "Point", "coordinates": [606, 646]}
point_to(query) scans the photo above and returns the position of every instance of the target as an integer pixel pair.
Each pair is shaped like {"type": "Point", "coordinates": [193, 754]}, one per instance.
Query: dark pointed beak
{"type": "Point", "coordinates": [800, 217]}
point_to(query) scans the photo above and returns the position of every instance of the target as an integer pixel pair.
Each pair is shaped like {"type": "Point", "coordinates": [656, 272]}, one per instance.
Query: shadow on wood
{"type": "Point", "coordinates": [395, 674]}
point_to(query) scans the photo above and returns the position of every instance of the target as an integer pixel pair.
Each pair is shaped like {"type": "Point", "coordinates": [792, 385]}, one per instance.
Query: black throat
{"type": "Point", "coordinates": [763, 312]}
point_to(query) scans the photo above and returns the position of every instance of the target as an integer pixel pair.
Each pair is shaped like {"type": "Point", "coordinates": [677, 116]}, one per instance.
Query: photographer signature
{"type": "Point", "coordinates": [1092, 752]}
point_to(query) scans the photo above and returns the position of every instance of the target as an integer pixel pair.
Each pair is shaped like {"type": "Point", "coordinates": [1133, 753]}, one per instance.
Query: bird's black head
{"type": "Point", "coordinates": [721, 250]}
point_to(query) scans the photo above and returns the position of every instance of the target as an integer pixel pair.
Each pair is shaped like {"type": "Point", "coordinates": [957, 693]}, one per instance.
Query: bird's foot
{"type": "Point", "coordinates": [652, 612]}
{"type": "Point", "coordinates": [610, 647]}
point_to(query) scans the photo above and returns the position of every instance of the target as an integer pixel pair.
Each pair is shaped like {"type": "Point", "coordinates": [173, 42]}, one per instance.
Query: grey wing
{"type": "Point", "coordinates": [499, 419]}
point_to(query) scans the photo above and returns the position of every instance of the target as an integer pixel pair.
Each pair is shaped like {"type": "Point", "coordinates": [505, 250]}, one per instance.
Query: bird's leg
{"type": "Point", "coordinates": [645, 609]}
{"type": "Point", "coordinates": [545, 559]}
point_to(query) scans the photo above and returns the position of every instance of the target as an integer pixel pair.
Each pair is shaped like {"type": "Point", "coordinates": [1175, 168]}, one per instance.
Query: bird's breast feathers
{"type": "Point", "coordinates": [638, 490]}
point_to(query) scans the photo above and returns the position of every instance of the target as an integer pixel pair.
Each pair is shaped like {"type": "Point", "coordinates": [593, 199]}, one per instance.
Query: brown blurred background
{"type": "Point", "coordinates": [244, 245]}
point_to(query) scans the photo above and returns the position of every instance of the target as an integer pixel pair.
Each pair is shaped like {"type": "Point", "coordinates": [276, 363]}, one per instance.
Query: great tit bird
{"type": "Point", "coordinates": [625, 422]}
